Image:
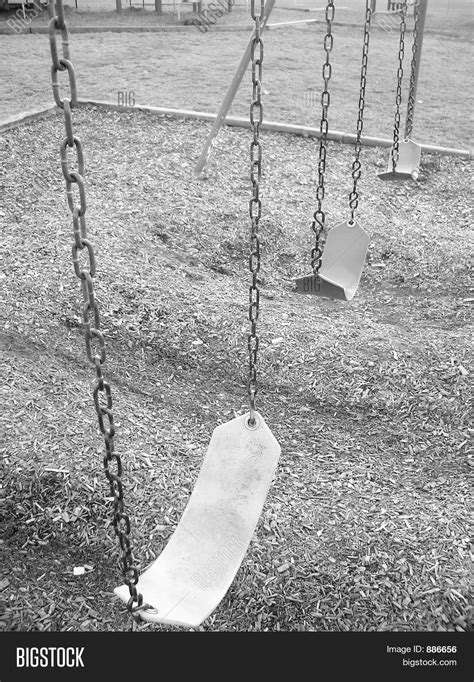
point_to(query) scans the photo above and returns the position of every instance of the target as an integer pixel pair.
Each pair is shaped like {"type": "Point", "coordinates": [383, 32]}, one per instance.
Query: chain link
{"type": "Point", "coordinates": [356, 164]}
{"type": "Point", "coordinates": [319, 217]}
{"type": "Point", "coordinates": [255, 204]}
{"type": "Point", "coordinates": [411, 92]}
{"type": "Point", "coordinates": [90, 312]}
{"type": "Point", "coordinates": [398, 99]}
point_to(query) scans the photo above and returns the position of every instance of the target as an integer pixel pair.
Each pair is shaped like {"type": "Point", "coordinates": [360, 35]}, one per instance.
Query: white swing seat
{"type": "Point", "coordinates": [342, 264]}
{"type": "Point", "coordinates": [408, 164]}
{"type": "Point", "coordinates": [196, 568]}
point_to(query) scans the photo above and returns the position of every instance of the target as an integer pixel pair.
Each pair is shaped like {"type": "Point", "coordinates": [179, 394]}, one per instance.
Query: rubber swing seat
{"type": "Point", "coordinates": [408, 164]}
{"type": "Point", "coordinates": [197, 566]}
{"type": "Point", "coordinates": [342, 264]}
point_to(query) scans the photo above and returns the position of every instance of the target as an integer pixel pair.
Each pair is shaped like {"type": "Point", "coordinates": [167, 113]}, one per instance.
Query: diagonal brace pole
{"type": "Point", "coordinates": [229, 98]}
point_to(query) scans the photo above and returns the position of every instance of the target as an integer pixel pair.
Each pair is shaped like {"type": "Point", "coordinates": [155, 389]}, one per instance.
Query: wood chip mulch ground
{"type": "Point", "coordinates": [366, 525]}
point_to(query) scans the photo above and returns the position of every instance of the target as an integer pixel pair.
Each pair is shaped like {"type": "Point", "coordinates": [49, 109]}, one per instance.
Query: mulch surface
{"type": "Point", "coordinates": [366, 524]}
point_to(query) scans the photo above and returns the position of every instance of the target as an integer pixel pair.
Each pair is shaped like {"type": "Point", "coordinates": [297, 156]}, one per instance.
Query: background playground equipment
{"type": "Point", "coordinates": [408, 152]}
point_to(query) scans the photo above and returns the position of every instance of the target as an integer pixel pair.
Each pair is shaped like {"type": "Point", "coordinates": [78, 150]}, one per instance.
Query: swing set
{"type": "Point", "coordinates": [405, 155]}
{"type": "Point", "coordinates": [337, 265]}
{"type": "Point", "coordinates": [187, 581]}
{"type": "Point", "coordinates": [338, 255]}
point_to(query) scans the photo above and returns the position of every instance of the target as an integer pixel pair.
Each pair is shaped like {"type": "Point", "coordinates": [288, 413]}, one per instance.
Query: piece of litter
{"type": "Point", "coordinates": [463, 370]}
{"type": "Point", "coordinates": [197, 342]}
{"type": "Point", "coordinates": [4, 583]}
{"type": "Point", "coordinates": [283, 568]}
{"type": "Point", "coordinates": [279, 339]}
{"type": "Point", "coordinates": [78, 570]}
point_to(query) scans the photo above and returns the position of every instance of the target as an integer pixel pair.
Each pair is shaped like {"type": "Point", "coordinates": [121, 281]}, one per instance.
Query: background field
{"type": "Point", "coordinates": [366, 526]}
{"type": "Point", "coordinates": [192, 70]}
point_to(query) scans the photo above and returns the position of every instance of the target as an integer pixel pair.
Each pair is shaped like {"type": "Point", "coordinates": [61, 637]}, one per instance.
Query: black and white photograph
{"type": "Point", "coordinates": [236, 337]}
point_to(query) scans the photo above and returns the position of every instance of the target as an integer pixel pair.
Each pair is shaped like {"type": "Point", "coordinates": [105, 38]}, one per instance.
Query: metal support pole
{"type": "Point", "coordinates": [229, 97]}
{"type": "Point", "coordinates": [158, 7]}
{"type": "Point", "coordinates": [118, 5]}
{"type": "Point", "coordinates": [423, 5]}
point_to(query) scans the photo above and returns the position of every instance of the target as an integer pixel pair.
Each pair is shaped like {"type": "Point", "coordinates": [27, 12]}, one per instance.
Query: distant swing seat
{"type": "Point", "coordinates": [342, 264]}
{"type": "Point", "coordinates": [408, 164]}
{"type": "Point", "coordinates": [196, 568]}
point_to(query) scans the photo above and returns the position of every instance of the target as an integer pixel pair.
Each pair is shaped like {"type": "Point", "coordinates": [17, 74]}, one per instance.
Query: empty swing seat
{"type": "Point", "coordinates": [408, 164]}
{"type": "Point", "coordinates": [342, 264]}
{"type": "Point", "coordinates": [197, 566]}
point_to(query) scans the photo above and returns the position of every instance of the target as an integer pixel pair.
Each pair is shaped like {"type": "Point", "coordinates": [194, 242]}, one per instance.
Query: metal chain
{"type": "Point", "coordinates": [411, 92]}
{"type": "Point", "coordinates": [255, 204]}
{"type": "Point", "coordinates": [398, 99]}
{"type": "Point", "coordinates": [356, 164]}
{"type": "Point", "coordinates": [94, 339]}
{"type": "Point", "coordinates": [319, 217]}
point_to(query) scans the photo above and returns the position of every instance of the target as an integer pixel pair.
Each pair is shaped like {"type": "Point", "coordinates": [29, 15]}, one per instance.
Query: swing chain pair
{"type": "Point", "coordinates": [90, 311]}
{"type": "Point", "coordinates": [398, 99]}
{"type": "Point", "coordinates": [356, 164]}
{"type": "Point", "coordinates": [255, 204]}
{"type": "Point", "coordinates": [319, 217]}
{"type": "Point", "coordinates": [411, 92]}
